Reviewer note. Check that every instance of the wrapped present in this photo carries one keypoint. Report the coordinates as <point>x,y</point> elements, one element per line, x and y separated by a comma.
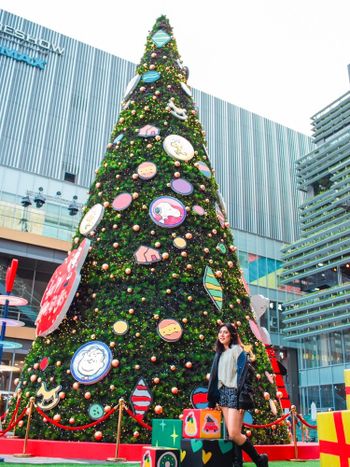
<point>206,452</point>
<point>334,438</point>
<point>160,457</point>
<point>166,432</point>
<point>347,387</point>
<point>201,423</point>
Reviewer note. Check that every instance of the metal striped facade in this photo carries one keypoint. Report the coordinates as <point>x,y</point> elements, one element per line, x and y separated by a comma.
<point>317,259</point>
<point>60,119</point>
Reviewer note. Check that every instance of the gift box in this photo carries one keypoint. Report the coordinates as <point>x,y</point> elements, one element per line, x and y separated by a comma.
<point>201,423</point>
<point>157,457</point>
<point>347,387</point>
<point>206,452</point>
<point>334,438</point>
<point>166,432</point>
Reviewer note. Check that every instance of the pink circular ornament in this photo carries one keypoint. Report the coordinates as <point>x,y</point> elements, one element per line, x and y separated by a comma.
<point>198,210</point>
<point>122,201</point>
<point>147,170</point>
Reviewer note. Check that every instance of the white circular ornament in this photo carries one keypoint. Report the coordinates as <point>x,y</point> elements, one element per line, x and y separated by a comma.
<point>91,362</point>
<point>131,86</point>
<point>178,147</point>
<point>91,219</point>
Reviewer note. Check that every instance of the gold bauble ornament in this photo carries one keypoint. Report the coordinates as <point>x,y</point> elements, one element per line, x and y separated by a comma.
<point>158,409</point>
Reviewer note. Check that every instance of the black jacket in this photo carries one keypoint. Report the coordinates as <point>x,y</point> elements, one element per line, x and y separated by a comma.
<point>245,376</point>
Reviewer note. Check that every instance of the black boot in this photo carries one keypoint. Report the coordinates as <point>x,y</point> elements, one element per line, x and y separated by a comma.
<point>261,460</point>
<point>237,456</point>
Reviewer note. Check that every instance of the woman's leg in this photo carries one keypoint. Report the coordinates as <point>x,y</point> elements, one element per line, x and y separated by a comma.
<point>234,421</point>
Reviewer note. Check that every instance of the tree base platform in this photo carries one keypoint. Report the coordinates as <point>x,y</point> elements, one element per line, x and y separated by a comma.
<point>132,452</point>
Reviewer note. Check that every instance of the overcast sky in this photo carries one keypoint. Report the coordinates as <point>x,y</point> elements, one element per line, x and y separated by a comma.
<point>283,59</point>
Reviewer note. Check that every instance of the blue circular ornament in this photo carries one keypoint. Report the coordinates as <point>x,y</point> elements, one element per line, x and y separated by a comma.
<point>96,411</point>
<point>199,398</point>
<point>150,76</point>
<point>91,362</point>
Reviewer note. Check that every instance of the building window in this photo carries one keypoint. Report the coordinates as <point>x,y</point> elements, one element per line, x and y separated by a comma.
<point>68,177</point>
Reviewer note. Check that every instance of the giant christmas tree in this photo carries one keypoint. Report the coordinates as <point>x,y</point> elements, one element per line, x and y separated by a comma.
<point>158,271</point>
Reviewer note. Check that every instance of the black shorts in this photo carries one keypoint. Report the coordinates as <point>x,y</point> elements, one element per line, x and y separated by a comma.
<point>228,397</point>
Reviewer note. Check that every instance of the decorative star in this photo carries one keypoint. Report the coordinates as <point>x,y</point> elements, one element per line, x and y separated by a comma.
<point>174,436</point>
<point>163,424</point>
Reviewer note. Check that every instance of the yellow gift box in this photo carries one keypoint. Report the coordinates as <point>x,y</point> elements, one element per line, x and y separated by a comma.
<point>347,387</point>
<point>334,438</point>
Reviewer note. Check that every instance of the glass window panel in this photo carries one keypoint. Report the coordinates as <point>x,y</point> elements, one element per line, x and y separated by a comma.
<point>339,397</point>
<point>327,397</point>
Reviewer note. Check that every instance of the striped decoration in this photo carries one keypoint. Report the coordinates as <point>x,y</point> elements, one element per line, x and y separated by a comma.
<point>141,398</point>
<point>213,287</point>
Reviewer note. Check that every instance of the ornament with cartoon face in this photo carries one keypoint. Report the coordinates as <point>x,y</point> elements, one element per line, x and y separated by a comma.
<point>91,362</point>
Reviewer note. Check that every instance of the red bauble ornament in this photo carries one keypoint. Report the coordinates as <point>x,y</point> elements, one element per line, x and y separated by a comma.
<point>98,435</point>
<point>72,420</point>
<point>57,417</point>
<point>136,434</point>
<point>174,390</point>
<point>87,395</point>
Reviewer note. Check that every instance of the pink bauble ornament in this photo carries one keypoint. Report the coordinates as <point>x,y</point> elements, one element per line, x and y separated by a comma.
<point>20,423</point>
<point>153,359</point>
<point>87,395</point>
<point>188,364</point>
<point>136,434</point>
<point>76,385</point>
<point>279,394</point>
<point>248,433</point>
<point>33,378</point>
<point>57,417</point>
<point>72,420</point>
<point>174,390</point>
<point>107,408</point>
<point>266,396</point>
<point>156,380</point>
<point>105,266</point>
<point>98,435</point>
<point>62,395</point>
<point>115,363</point>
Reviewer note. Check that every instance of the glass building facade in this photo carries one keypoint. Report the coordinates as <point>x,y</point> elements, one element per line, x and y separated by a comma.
<point>55,122</point>
<point>319,262</point>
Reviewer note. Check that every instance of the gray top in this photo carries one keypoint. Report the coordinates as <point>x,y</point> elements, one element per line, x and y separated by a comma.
<point>227,371</point>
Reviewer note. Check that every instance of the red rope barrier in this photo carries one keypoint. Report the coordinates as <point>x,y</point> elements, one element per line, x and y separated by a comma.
<point>276,422</point>
<point>304,422</point>
<point>139,421</point>
<point>15,412</point>
<point>9,428</point>
<point>75,428</point>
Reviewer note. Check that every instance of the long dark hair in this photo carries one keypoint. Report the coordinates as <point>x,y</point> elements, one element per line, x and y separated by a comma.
<point>234,337</point>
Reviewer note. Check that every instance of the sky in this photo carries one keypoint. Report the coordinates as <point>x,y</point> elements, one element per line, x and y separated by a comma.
<point>282,59</point>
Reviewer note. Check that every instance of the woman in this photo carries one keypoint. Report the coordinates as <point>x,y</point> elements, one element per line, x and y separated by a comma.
<point>222,390</point>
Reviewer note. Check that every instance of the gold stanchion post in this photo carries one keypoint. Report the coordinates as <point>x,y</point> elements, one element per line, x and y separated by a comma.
<point>119,427</point>
<point>25,453</point>
<point>294,426</point>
